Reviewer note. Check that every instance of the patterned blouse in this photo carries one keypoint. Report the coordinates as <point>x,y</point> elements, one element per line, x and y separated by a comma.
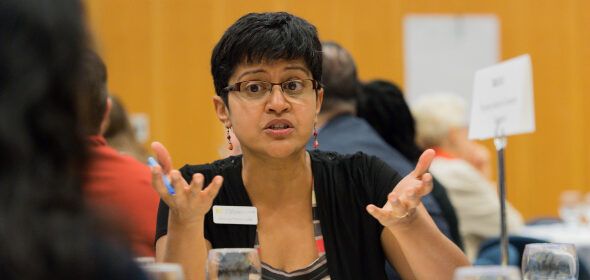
<point>317,270</point>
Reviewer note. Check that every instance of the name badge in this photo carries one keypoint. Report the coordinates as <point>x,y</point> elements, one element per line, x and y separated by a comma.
<point>235,215</point>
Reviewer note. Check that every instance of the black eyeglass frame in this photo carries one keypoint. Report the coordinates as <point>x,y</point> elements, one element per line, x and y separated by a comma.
<point>236,87</point>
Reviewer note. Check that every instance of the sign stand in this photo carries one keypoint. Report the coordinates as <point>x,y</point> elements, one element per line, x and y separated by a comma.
<point>500,142</point>
<point>502,106</point>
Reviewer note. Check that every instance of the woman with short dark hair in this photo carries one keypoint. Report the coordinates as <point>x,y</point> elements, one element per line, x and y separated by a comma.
<point>320,215</point>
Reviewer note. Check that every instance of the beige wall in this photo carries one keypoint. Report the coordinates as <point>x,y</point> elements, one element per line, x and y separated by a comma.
<point>158,55</point>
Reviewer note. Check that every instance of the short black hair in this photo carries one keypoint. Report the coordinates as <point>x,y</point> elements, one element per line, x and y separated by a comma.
<point>257,37</point>
<point>340,82</point>
<point>382,105</point>
<point>93,92</point>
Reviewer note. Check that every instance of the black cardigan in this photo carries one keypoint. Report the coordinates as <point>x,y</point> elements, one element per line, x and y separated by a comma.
<point>344,186</point>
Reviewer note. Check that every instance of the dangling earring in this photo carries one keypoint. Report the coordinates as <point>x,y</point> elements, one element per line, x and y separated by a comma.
<point>316,144</point>
<point>230,146</point>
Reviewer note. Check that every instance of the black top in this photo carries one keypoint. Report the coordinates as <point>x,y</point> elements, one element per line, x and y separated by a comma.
<point>344,186</point>
<point>361,137</point>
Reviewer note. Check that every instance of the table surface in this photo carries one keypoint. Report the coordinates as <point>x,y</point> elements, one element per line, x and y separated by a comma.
<point>579,235</point>
<point>559,233</point>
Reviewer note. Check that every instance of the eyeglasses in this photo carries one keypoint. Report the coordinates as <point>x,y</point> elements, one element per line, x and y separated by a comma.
<point>256,90</point>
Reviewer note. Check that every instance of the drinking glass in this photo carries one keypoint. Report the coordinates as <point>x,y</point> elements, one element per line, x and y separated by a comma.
<point>557,261</point>
<point>141,261</point>
<point>163,271</point>
<point>487,272</point>
<point>233,264</point>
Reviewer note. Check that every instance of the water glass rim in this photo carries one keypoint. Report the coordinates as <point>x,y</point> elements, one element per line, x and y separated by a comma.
<point>499,270</point>
<point>145,259</point>
<point>164,267</point>
<point>485,268</point>
<point>550,244</point>
<point>234,250</point>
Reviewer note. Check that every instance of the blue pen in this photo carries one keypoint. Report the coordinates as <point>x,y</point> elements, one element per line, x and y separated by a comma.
<point>153,163</point>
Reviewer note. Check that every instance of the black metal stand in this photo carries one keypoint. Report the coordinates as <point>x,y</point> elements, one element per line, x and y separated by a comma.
<point>500,143</point>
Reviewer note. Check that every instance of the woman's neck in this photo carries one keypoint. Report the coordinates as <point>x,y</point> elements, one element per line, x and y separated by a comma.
<point>275,181</point>
<point>445,151</point>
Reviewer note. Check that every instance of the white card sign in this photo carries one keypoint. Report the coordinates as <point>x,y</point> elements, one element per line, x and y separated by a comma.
<point>235,215</point>
<point>502,103</point>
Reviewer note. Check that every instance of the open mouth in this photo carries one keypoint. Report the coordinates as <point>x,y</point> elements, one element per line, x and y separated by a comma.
<point>279,128</point>
<point>278,124</point>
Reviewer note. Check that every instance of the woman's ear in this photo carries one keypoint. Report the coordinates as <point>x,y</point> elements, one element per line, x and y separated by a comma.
<point>319,100</point>
<point>222,111</point>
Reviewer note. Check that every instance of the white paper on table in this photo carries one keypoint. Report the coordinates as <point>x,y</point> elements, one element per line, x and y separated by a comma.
<point>502,103</point>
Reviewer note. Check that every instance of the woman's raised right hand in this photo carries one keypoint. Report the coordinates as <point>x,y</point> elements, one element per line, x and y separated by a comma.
<point>191,202</point>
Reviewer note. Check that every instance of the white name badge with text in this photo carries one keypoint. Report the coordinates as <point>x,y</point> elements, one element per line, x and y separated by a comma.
<point>502,103</point>
<point>235,215</point>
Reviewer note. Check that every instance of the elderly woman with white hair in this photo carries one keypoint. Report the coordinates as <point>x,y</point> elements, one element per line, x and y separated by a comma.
<point>461,166</point>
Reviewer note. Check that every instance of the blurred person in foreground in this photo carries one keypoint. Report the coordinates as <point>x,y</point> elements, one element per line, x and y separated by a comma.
<point>441,124</point>
<point>46,231</point>
<point>382,105</point>
<point>267,71</point>
<point>117,185</point>
<point>119,132</point>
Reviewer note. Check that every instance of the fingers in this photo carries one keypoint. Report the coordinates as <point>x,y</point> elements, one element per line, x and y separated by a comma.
<point>407,198</point>
<point>178,183</point>
<point>157,182</point>
<point>197,183</point>
<point>388,216</point>
<point>426,186</point>
<point>213,188</point>
<point>401,206</point>
<point>415,188</point>
<point>423,163</point>
<point>163,156</point>
<point>377,213</point>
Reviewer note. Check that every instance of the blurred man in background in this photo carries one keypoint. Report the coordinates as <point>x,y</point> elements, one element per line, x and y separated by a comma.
<point>340,130</point>
<point>118,186</point>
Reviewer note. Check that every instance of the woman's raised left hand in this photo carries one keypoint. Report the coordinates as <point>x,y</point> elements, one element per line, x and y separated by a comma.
<point>406,196</point>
